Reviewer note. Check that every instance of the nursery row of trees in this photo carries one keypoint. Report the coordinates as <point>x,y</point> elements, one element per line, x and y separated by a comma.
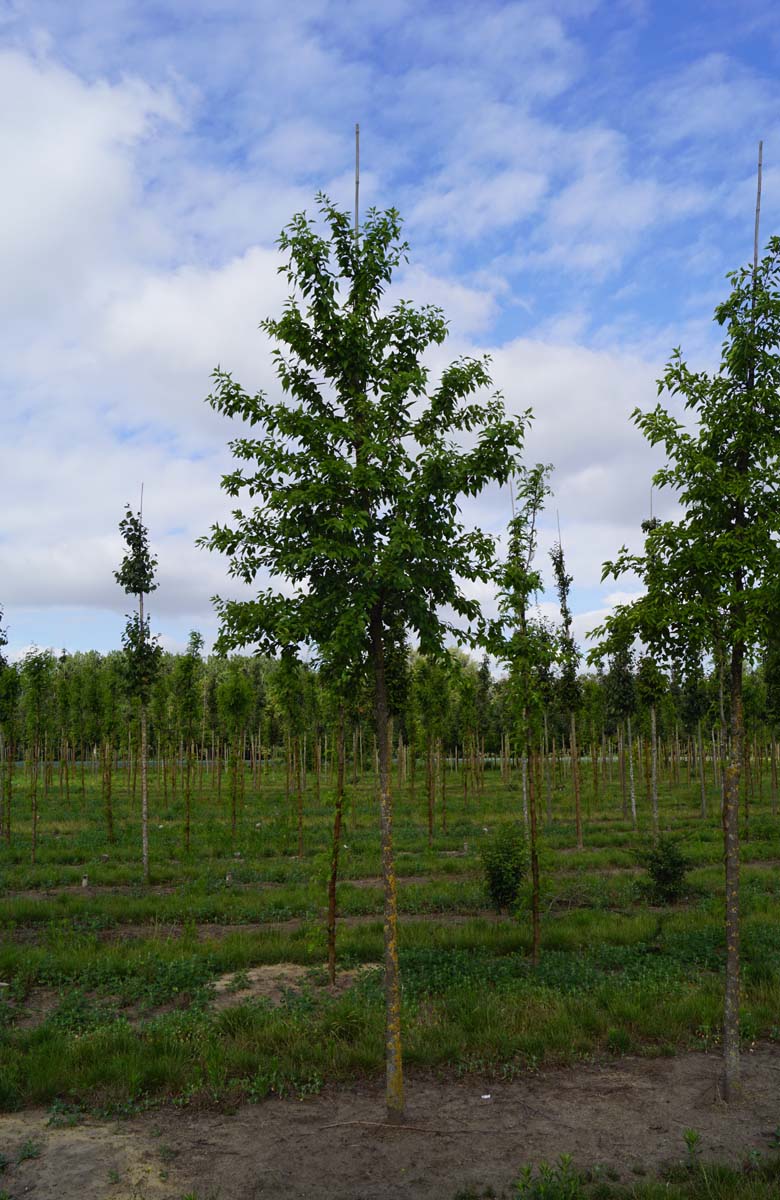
<point>354,477</point>
<point>73,714</point>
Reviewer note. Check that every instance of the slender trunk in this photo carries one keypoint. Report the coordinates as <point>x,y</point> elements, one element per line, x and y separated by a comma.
<point>144,771</point>
<point>10,789</point>
<point>575,768</point>
<point>631,786</point>
<point>654,768</point>
<point>34,796</point>
<point>394,1068</point>
<point>107,763</point>
<point>524,777</point>
<point>730,1081</point>
<point>334,857</point>
<point>144,797</point>
<point>431,787</point>
<point>547,777</point>
<point>299,792</point>
<point>443,777</point>
<point>188,795</point>
<point>702,781</point>
<point>532,803</point>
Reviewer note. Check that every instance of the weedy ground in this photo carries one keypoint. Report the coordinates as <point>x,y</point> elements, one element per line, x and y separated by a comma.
<point>111,1001</point>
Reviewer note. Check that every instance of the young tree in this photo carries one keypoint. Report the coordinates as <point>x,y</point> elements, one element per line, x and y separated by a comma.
<point>526,650</point>
<point>187,690</point>
<point>569,687</point>
<point>37,675</point>
<point>143,653</point>
<point>356,475</point>
<point>621,698</point>
<point>651,686</point>
<point>711,575</point>
<point>234,703</point>
<point>10,687</point>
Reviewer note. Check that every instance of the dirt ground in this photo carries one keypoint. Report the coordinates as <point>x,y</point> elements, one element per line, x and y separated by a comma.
<point>625,1114</point>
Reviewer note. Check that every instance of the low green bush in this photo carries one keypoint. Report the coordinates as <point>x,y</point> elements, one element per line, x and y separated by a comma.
<point>505,864</point>
<point>667,866</point>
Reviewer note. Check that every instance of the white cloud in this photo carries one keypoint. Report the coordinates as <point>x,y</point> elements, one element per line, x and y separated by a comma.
<point>71,201</point>
<point>147,180</point>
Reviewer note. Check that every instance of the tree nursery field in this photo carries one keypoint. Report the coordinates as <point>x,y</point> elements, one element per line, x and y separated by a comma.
<point>246,884</point>
<point>208,989</point>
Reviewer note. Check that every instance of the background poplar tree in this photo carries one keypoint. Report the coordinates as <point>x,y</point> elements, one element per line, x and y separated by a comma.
<point>143,653</point>
<point>711,575</point>
<point>356,475</point>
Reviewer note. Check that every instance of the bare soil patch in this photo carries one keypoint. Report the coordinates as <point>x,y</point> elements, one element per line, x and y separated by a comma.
<point>620,1114</point>
<point>273,982</point>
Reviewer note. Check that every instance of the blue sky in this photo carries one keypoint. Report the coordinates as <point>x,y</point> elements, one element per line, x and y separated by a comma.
<point>576,180</point>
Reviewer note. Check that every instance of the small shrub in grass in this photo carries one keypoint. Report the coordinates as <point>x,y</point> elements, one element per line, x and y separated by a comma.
<point>505,863</point>
<point>558,1182</point>
<point>667,867</point>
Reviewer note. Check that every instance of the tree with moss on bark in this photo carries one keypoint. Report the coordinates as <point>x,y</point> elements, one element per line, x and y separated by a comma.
<point>355,476</point>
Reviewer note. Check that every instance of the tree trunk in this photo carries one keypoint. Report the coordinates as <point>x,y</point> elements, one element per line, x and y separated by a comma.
<point>443,778</point>
<point>431,787</point>
<point>631,785</point>
<point>334,857</point>
<point>654,768</point>
<point>702,781</point>
<point>144,798</point>
<point>532,805</point>
<point>547,777</point>
<point>393,1062</point>
<point>730,1080</point>
<point>575,770</point>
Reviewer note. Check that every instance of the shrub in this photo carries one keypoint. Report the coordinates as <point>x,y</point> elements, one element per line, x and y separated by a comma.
<point>667,867</point>
<point>505,863</point>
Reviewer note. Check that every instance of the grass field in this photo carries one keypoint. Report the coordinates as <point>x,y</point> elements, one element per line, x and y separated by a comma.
<point>116,996</point>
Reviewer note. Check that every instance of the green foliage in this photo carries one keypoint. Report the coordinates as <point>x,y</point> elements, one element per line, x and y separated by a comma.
<point>667,867</point>
<point>143,653</point>
<point>528,646</point>
<point>505,865</point>
<point>711,576</point>
<point>3,642</point>
<point>356,472</point>
<point>234,698</point>
<point>143,657</point>
<point>136,571</point>
<point>569,686</point>
<point>558,1182</point>
<point>28,1149</point>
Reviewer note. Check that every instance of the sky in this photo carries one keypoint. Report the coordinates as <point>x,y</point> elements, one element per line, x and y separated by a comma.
<point>576,179</point>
